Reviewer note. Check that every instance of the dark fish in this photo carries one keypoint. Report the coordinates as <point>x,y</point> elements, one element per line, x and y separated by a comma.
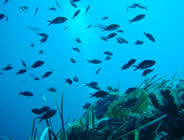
<point>32,45</point>
<point>47,115</point>
<point>111,27</point>
<point>91,84</point>
<point>104,38</point>
<point>44,37</point>
<point>58,5</point>
<point>37,64</point>
<point>78,40</point>
<point>109,88</point>
<point>76,14</point>
<point>23,63</point>
<point>139,42</point>
<point>121,40</point>
<point>2,16</point>
<point>108,53</point>
<point>47,74</point>
<point>111,35</point>
<point>36,11</point>
<point>6,1</point>
<point>41,52</point>
<point>146,71</point>
<point>8,67</point>
<point>36,111</point>
<point>26,93</point>
<point>86,106</point>
<point>76,79</point>
<point>145,64</point>
<point>107,57</point>
<point>130,90</point>
<point>24,8</point>
<point>57,20</point>
<point>89,26</point>
<point>120,31</point>
<point>76,49</point>
<point>99,94</point>
<point>137,18</point>
<point>149,36</point>
<point>94,61</point>
<point>40,111</point>
<point>73,4</point>
<point>129,64</point>
<point>72,60</point>
<point>52,8</point>
<point>98,70</point>
<point>69,81</point>
<point>36,78</point>
<point>21,71</point>
<point>75,0</point>
<point>137,5</point>
<point>87,9</point>
<point>52,89</point>
<point>104,18</point>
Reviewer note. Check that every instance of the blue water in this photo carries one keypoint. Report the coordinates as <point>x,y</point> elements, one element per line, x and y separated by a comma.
<point>164,20</point>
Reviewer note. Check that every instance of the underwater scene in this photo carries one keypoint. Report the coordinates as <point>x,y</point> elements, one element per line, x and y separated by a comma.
<point>91,70</point>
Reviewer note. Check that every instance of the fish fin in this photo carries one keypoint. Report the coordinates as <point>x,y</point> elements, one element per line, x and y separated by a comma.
<point>92,95</point>
<point>130,21</point>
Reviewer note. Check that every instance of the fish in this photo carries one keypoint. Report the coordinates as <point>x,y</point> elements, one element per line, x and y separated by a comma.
<point>58,5</point>
<point>104,38</point>
<point>99,94</point>
<point>147,71</point>
<point>105,18</point>
<point>109,88</point>
<point>41,52</point>
<point>73,4</point>
<point>37,64</point>
<point>76,14</point>
<point>75,0</point>
<point>41,110</point>
<point>72,60</point>
<point>129,64</point>
<point>137,5</point>
<point>8,67</point>
<point>32,45</point>
<point>107,57</point>
<point>23,63</point>
<point>24,8</point>
<point>47,74</point>
<point>121,40</point>
<point>36,11</point>
<point>139,42</point>
<point>69,81</point>
<point>2,16</point>
<point>120,31</point>
<point>26,93</point>
<point>52,89</point>
<point>94,61</point>
<point>111,35</point>
<point>76,49</point>
<point>57,20</point>
<point>36,78</point>
<point>44,37</point>
<point>89,26</point>
<point>91,84</point>
<point>87,9</point>
<point>149,36</point>
<point>98,70</point>
<point>130,90</point>
<point>6,1</point>
<point>52,8</point>
<point>78,40</point>
<point>21,71</point>
<point>108,53</point>
<point>36,29</point>
<point>7,18</point>
<point>111,27</point>
<point>86,106</point>
<point>75,79</point>
<point>47,115</point>
<point>137,18</point>
<point>145,64</point>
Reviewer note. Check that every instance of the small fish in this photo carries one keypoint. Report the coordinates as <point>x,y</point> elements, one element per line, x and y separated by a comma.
<point>137,5</point>
<point>57,20</point>
<point>98,70</point>
<point>139,42</point>
<point>58,5</point>
<point>89,26</point>
<point>47,115</point>
<point>41,110</point>
<point>108,53</point>
<point>21,71</point>
<point>8,67</point>
<point>72,60</point>
<point>36,11</point>
<point>36,29</point>
<point>137,18</point>
<point>105,18</point>
<point>121,40</point>
<point>87,9</point>
<point>76,79</point>
<point>111,27</point>
<point>44,37</point>
<point>37,64</point>
<point>145,64</point>
<point>73,4</point>
<point>24,8</point>
<point>75,0</point>
<point>94,61</point>
<point>120,31</point>
<point>91,84</point>
<point>107,57</point>
<point>76,14</point>
<point>6,1</point>
<point>47,74</point>
<point>76,49</point>
<point>2,16</point>
<point>104,38</point>
<point>99,94</point>
<point>37,78</point>
<point>26,93</point>
<point>149,36</point>
<point>52,8</point>
<point>23,63</point>
<point>78,40</point>
<point>32,45</point>
<point>41,52</point>
<point>69,81</point>
<point>130,90</point>
<point>7,18</point>
<point>111,35</point>
<point>129,64</point>
<point>52,89</point>
<point>86,106</point>
<point>109,88</point>
<point>147,71</point>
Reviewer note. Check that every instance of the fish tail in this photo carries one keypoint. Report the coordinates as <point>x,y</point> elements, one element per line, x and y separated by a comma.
<point>137,67</point>
<point>92,95</point>
<point>50,22</point>
<point>130,21</point>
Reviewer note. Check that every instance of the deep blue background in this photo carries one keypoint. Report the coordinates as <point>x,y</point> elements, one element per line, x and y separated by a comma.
<point>164,20</point>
